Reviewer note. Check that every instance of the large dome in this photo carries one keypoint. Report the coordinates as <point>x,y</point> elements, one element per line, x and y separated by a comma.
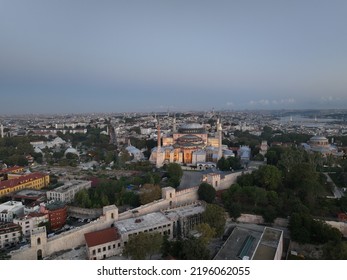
<point>319,141</point>
<point>189,141</point>
<point>191,128</point>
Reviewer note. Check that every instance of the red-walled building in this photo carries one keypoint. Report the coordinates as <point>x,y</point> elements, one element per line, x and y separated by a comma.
<point>57,213</point>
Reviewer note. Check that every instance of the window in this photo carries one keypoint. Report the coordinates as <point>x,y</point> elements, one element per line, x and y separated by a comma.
<point>94,252</point>
<point>109,247</point>
<point>104,249</point>
<point>99,250</point>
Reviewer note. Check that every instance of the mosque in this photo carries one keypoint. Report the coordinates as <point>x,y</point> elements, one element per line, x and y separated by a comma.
<point>320,144</point>
<point>190,145</point>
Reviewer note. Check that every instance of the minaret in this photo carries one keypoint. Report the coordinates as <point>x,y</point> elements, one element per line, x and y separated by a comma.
<point>219,132</point>
<point>174,125</point>
<point>159,157</point>
<point>2,131</point>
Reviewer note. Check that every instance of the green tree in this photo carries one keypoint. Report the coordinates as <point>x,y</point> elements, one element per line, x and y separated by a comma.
<point>174,170</point>
<point>223,164</point>
<point>206,192</point>
<point>268,177</point>
<point>206,232</point>
<point>143,245</point>
<point>149,193</point>
<point>214,216</point>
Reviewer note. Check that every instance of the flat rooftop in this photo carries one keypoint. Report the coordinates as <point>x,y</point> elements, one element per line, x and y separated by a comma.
<point>241,243</point>
<point>146,221</point>
<point>268,244</point>
<point>30,193</point>
<point>255,242</point>
<point>182,212</point>
<point>69,184</point>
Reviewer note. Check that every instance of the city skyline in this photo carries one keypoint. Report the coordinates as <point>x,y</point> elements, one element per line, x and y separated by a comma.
<point>121,56</point>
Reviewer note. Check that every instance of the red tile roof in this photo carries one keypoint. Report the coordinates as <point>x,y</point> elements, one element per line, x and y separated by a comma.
<point>18,180</point>
<point>101,237</point>
<point>10,169</point>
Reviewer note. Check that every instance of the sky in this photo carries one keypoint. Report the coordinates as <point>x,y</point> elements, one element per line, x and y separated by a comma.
<point>80,56</point>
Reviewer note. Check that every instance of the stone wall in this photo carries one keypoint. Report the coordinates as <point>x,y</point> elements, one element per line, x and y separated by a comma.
<point>79,212</point>
<point>75,237</point>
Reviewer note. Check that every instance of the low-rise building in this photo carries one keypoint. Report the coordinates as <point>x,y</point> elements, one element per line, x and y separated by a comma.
<point>28,181</point>
<point>11,209</point>
<point>103,244</point>
<point>57,214</point>
<point>185,218</point>
<point>152,222</point>
<point>31,221</point>
<point>252,243</point>
<point>67,192</point>
<point>10,234</point>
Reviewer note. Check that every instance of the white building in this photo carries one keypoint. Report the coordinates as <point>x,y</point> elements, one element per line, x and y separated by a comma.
<point>30,221</point>
<point>11,209</point>
<point>152,222</point>
<point>67,192</point>
<point>10,234</point>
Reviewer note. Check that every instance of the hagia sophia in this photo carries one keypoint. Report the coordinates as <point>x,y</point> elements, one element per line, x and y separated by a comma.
<point>190,145</point>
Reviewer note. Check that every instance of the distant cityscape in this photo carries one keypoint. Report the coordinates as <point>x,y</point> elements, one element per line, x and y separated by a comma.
<point>218,185</point>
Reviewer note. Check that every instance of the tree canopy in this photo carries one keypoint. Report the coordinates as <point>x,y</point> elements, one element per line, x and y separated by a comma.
<point>206,192</point>
<point>143,245</point>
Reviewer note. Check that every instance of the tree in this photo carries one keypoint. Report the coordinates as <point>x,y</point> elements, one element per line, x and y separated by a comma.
<point>175,174</point>
<point>214,216</point>
<point>143,245</point>
<point>194,249</point>
<point>188,249</point>
<point>149,193</point>
<point>207,233</point>
<point>223,164</point>
<point>268,177</point>
<point>206,192</point>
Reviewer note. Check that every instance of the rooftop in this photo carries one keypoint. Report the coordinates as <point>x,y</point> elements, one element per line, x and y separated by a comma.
<point>241,243</point>
<point>101,237</point>
<point>268,244</point>
<point>145,221</point>
<point>20,180</point>
<point>70,184</point>
<point>184,211</point>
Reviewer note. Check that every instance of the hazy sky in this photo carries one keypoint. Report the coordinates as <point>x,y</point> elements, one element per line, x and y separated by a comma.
<point>117,56</point>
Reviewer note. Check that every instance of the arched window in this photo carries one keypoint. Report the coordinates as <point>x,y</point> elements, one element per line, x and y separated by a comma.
<point>38,241</point>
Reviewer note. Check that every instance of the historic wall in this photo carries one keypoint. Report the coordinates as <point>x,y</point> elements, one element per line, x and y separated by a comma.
<point>79,212</point>
<point>75,237</point>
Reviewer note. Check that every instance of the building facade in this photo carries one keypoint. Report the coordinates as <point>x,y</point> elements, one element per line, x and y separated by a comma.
<point>18,182</point>
<point>11,209</point>
<point>103,244</point>
<point>67,192</point>
<point>191,145</point>
<point>10,234</point>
